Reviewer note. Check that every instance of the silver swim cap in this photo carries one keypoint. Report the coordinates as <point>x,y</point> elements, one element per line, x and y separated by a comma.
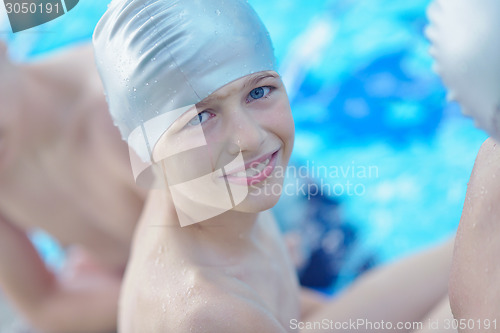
<point>466,49</point>
<point>157,58</point>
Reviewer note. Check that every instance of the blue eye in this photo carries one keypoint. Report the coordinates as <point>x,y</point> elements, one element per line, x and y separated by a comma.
<point>259,92</point>
<point>200,118</point>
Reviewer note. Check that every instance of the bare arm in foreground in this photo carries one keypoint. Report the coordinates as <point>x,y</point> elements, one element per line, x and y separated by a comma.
<point>64,169</point>
<point>474,283</point>
<point>412,289</point>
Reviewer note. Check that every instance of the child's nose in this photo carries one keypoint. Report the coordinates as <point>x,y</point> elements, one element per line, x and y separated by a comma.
<point>245,132</point>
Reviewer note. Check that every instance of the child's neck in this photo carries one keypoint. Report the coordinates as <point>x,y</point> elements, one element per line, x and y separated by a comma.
<point>229,232</point>
<point>230,225</point>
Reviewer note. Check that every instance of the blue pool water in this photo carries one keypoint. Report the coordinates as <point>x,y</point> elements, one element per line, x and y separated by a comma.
<point>364,97</point>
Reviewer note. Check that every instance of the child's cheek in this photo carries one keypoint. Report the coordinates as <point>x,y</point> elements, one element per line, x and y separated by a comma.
<point>281,121</point>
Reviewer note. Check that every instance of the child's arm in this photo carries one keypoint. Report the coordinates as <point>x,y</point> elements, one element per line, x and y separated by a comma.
<point>49,304</point>
<point>37,98</point>
<point>475,275</point>
<point>405,291</point>
<point>70,70</point>
<point>311,301</point>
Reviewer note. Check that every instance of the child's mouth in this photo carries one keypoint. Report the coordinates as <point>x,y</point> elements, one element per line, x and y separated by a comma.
<point>255,171</point>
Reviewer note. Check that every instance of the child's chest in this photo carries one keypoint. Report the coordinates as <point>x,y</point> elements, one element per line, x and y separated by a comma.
<point>270,277</point>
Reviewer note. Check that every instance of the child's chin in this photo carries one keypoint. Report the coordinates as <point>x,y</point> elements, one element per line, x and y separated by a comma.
<point>254,203</point>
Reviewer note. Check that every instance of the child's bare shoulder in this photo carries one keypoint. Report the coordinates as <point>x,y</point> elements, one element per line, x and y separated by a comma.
<point>482,189</point>
<point>194,299</point>
<point>488,159</point>
<point>471,293</point>
<point>227,312</point>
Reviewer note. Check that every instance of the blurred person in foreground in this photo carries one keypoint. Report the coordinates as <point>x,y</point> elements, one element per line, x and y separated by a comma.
<point>466,48</point>
<point>65,170</point>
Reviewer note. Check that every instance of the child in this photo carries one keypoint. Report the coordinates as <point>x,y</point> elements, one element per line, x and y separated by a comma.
<point>192,86</point>
<point>63,169</point>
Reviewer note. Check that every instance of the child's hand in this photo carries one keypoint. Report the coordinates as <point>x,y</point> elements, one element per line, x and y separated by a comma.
<point>474,283</point>
<point>80,266</point>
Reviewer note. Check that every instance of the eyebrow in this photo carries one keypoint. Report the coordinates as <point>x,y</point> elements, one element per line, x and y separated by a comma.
<point>250,82</point>
<point>257,78</point>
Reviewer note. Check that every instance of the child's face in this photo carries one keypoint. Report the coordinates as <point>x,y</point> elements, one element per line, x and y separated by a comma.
<point>237,142</point>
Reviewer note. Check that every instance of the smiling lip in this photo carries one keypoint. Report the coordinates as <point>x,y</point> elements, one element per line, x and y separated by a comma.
<point>265,173</point>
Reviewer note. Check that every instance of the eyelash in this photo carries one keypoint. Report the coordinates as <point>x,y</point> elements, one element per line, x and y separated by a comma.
<point>198,116</point>
<point>271,89</point>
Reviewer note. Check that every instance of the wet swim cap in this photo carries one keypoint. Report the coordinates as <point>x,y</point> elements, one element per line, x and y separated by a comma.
<point>466,47</point>
<point>157,58</point>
